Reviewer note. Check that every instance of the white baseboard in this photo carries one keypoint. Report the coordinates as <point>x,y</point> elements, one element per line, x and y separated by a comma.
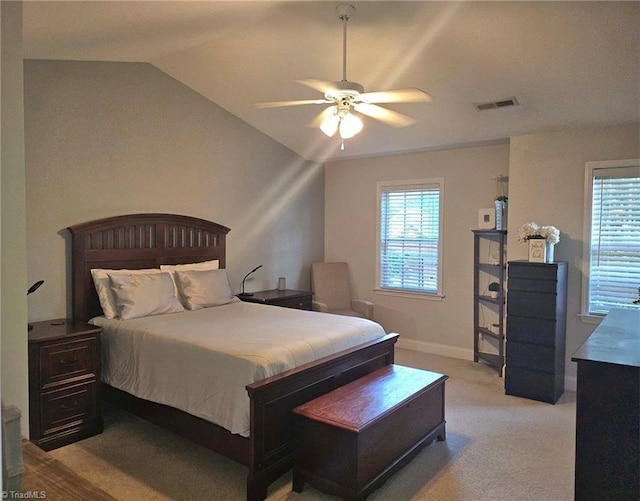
<point>570,382</point>
<point>435,349</point>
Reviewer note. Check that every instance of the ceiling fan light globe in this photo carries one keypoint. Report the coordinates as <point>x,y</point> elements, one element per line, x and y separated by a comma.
<point>330,125</point>
<point>350,125</point>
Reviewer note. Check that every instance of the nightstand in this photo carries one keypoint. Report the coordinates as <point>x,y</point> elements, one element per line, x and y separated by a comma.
<point>300,300</point>
<point>64,379</point>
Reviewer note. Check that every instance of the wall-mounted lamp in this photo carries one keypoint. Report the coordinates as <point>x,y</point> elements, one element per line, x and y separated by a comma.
<point>31,290</point>
<point>35,287</point>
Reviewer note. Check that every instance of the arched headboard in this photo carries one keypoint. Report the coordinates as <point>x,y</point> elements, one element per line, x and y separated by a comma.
<point>137,241</point>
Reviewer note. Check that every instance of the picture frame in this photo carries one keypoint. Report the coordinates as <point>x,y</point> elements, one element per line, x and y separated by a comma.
<point>537,250</point>
<point>487,219</point>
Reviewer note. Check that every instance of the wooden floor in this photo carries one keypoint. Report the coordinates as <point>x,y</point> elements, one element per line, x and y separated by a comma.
<point>44,474</point>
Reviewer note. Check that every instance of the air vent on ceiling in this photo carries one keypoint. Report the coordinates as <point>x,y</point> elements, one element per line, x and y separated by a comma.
<point>502,103</point>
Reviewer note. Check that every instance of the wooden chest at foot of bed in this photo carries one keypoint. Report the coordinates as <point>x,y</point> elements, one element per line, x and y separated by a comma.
<point>349,441</point>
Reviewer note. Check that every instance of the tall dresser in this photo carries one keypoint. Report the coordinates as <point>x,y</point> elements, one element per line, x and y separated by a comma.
<point>536,330</point>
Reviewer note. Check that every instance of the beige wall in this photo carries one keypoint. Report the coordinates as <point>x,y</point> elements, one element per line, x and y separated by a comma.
<point>546,185</point>
<point>13,301</point>
<point>446,326</point>
<point>104,139</point>
<point>114,138</point>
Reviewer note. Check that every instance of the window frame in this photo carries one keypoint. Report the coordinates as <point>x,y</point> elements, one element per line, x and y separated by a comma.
<point>590,169</point>
<point>410,184</point>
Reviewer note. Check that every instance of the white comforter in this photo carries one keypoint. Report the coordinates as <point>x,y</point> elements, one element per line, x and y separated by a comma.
<point>200,361</point>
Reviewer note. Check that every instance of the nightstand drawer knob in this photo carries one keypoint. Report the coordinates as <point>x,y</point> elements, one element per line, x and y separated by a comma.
<point>67,406</point>
<point>71,361</point>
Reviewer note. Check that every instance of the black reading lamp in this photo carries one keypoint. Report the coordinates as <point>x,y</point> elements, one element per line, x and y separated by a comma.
<point>243,293</point>
<point>31,290</point>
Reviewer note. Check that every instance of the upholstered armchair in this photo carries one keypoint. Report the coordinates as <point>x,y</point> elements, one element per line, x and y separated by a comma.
<point>331,286</point>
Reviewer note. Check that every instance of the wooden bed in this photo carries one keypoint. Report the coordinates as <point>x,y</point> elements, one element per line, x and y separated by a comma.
<point>150,240</point>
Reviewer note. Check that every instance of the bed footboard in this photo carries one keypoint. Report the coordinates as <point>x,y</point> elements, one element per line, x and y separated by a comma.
<point>273,399</point>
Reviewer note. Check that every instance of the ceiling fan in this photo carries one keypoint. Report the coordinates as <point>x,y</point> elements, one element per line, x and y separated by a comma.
<point>345,97</point>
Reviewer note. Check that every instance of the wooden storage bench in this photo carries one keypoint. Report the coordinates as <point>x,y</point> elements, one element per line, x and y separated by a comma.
<point>349,441</point>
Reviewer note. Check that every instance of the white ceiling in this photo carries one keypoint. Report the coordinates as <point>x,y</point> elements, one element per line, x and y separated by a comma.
<point>568,63</point>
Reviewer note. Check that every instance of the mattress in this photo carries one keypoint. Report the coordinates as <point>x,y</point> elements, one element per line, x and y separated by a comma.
<point>201,361</point>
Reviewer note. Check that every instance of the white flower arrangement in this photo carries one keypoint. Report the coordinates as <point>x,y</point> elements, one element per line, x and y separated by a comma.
<point>531,230</point>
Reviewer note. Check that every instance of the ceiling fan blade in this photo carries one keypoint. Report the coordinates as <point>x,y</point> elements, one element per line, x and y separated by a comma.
<point>278,104</point>
<point>320,117</point>
<point>396,96</point>
<point>320,85</point>
<point>384,115</point>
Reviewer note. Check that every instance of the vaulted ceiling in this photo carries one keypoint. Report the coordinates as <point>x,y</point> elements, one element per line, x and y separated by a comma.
<point>568,64</point>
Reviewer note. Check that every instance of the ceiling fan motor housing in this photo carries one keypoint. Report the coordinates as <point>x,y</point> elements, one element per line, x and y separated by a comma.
<point>343,90</point>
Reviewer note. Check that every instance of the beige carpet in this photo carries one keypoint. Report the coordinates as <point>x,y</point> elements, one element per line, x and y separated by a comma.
<point>45,474</point>
<point>498,448</point>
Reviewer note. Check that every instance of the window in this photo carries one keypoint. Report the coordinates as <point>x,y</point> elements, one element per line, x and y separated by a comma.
<point>612,236</point>
<point>410,236</point>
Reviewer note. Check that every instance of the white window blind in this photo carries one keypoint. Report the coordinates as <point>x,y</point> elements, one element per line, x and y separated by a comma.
<point>410,236</point>
<point>614,250</point>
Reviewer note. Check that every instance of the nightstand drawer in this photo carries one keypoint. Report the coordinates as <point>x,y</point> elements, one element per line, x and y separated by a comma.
<point>68,407</point>
<point>62,362</point>
<point>301,303</point>
<point>299,300</point>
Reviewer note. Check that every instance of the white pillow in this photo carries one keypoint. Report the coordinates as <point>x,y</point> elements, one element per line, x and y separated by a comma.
<point>204,288</point>
<point>204,265</point>
<point>142,295</point>
<point>103,287</point>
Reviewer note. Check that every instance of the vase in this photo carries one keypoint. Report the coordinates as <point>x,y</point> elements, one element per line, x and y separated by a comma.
<point>501,214</point>
<point>549,253</point>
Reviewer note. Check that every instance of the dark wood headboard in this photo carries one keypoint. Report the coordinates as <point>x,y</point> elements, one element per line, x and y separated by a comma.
<point>137,241</point>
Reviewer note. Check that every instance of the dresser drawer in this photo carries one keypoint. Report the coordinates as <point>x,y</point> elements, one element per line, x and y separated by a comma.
<point>533,330</point>
<point>71,360</point>
<point>531,356</point>
<point>532,285</point>
<point>532,305</point>
<point>541,271</point>
<point>68,407</point>
<point>533,384</point>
